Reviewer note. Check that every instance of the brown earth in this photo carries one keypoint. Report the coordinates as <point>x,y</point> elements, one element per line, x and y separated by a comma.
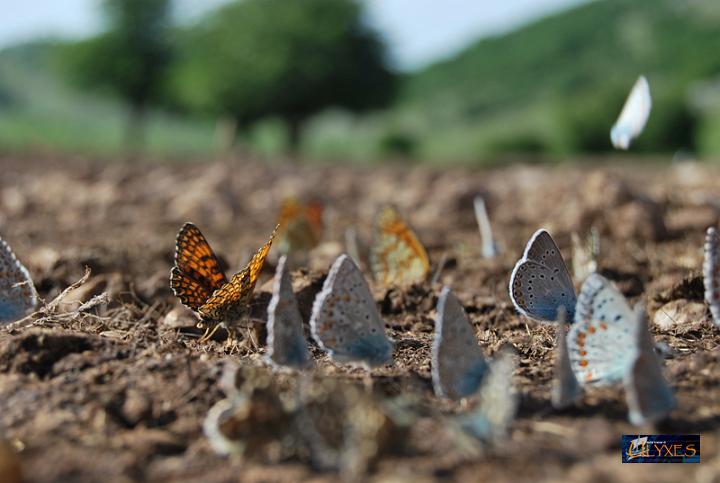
<point>119,392</point>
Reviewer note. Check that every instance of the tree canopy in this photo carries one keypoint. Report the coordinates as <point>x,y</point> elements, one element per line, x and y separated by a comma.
<point>129,59</point>
<point>257,58</point>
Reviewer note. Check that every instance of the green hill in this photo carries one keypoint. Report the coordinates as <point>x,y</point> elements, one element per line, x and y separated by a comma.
<point>558,84</point>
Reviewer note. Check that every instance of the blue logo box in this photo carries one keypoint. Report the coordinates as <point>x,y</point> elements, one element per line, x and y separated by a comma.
<point>661,448</point>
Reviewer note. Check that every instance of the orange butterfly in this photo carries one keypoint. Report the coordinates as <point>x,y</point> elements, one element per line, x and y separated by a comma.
<point>199,282</point>
<point>396,256</point>
<point>300,226</point>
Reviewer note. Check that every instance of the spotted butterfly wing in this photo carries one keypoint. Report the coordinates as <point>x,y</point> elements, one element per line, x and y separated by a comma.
<point>197,273</point>
<point>17,291</point>
<point>711,273</point>
<point>345,321</point>
<point>458,364</point>
<point>601,342</point>
<point>540,282</point>
<point>230,300</point>
<point>396,256</point>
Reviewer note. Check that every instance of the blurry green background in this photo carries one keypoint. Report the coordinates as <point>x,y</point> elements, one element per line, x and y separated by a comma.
<point>315,79</point>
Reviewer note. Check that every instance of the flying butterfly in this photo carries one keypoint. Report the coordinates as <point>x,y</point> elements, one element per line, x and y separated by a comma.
<point>634,115</point>
<point>17,291</point>
<point>301,225</point>
<point>200,284</point>
<point>540,282</point>
<point>396,256</point>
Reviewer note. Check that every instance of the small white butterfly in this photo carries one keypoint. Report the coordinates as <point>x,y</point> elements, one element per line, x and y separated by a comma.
<point>345,321</point>
<point>458,364</point>
<point>711,273</point>
<point>285,340</point>
<point>18,296</point>
<point>633,116</point>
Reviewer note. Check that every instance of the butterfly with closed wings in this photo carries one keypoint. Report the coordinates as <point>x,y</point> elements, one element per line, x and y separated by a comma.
<point>396,256</point>
<point>540,282</point>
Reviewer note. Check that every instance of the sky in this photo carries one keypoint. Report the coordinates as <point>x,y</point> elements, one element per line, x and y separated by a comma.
<point>418,32</point>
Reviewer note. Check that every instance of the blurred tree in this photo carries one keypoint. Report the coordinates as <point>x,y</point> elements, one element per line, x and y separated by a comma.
<point>129,60</point>
<point>259,58</point>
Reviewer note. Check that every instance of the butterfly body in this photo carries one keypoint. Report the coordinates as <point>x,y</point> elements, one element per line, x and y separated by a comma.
<point>396,257</point>
<point>540,282</point>
<point>200,284</point>
<point>18,296</point>
<point>345,320</point>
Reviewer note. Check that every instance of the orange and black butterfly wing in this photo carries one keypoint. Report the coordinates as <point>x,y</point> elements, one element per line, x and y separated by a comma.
<point>197,273</point>
<point>234,295</point>
<point>189,291</point>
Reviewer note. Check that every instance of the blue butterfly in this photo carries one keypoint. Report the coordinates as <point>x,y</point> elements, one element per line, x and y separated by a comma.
<point>458,364</point>
<point>540,282</point>
<point>17,292</point>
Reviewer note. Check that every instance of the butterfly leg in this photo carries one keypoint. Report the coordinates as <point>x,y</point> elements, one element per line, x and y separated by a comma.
<point>209,333</point>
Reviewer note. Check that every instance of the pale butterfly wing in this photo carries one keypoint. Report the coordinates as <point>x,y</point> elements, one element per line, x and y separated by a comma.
<point>491,419</point>
<point>396,255</point>
<point>345,321</point>
<point>649,397</point>
<point>18,296</point>
<point>458,364</point>
<point>286,341</point>
<point>540,282</point>
<point>489,248</point>
<point>601,342</point>
<point>711,273</point>
<point>566,388</point>
<point>633,116</point>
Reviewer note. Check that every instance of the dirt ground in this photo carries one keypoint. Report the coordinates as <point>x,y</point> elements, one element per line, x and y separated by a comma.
<point>119,392</point>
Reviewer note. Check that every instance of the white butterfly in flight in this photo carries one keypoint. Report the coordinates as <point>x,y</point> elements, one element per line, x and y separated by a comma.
<point>634,115</point>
